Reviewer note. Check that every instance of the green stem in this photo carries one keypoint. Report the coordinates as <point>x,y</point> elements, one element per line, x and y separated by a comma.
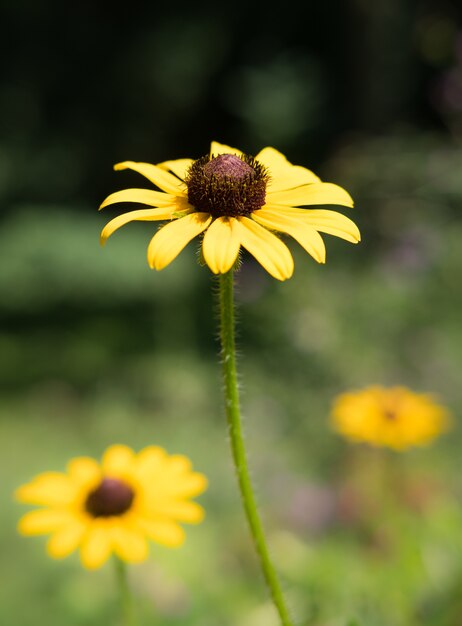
<point>125,595</point>
<point>228,348</point>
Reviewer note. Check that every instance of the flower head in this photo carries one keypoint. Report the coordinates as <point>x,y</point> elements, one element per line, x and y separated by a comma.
<point>114,506</point>
<point>236,200</point>
<point>395,418</point>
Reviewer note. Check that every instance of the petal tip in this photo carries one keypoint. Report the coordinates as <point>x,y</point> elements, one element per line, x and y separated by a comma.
<point>88,565</point>
<point>121,166</point>
<point>20,494</point>
<point>152,264</point>
<point>21,528</point>
<point>285,276</point>
<point>200,515</point>
<point>179,542</point>
<point>104,236</point>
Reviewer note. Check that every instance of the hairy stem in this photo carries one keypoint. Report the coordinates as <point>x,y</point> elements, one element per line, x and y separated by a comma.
<point>228,347</point>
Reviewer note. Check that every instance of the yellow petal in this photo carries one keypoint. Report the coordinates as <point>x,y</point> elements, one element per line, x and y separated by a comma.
<point>43,521</point>
<point>323,220</point>
<point>305,235</point>
<point>168,534</point>
<point>165,181</point>
<point>96,546</point>
<point>65,540</point>
<point>333,223</point>
<point>130,545</point>
<point>170,240</point>
<point>284,175</point>
<point>220,148</point>
<point>182,511</point>
<point>143,215</point>
<point>266,248</point>
<point>148,461</point>
<point>49,489</point>
<point>317,193</point>
<point>118,461</point>
<point>190,485</point>
<point>178,464</point>
<point>179,167</point>
<point>141,196</point>
<point>84,471</point>
<point>162,477</point>
<point>221,245</point>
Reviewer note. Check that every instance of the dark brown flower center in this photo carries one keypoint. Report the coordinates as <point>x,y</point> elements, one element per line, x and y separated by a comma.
<point>227,185</point>
<point>228,165</point>
<point>111,497</point>
<point>390,415</point>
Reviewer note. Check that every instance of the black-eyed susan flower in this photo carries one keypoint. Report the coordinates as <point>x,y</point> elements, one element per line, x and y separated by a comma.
<point>237,201</point>
<point>115,506</point>
<point>395,417</point>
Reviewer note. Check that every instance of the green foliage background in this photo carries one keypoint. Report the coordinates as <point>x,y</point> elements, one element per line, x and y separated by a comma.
<point>96,349</point>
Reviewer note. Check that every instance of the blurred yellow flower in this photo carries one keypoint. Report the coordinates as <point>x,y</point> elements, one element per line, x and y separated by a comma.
<point>395,418</point>
<point>114,506</point>
<point>237,200</point>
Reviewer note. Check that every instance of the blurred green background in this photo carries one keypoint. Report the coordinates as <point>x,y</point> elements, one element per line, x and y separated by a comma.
<point>95,348</point>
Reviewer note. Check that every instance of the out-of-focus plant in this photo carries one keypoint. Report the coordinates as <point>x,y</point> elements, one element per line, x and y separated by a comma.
<point>114,507</point>
<point>396,417</point>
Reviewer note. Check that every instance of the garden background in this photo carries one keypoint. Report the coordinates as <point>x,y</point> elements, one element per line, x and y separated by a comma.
<point>95,348</point>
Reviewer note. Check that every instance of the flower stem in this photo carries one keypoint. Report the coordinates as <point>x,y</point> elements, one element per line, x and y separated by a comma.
<point>228,348</point>
<point>125,595</point>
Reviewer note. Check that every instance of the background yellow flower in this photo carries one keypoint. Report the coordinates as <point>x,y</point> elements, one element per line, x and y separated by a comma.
<point>114,506</point>
<point>395,418</point>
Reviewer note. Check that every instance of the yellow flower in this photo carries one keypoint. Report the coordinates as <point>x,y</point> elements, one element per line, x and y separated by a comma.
<point>395,418</point>
<point>114,506</point>
<point>237,200</point>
